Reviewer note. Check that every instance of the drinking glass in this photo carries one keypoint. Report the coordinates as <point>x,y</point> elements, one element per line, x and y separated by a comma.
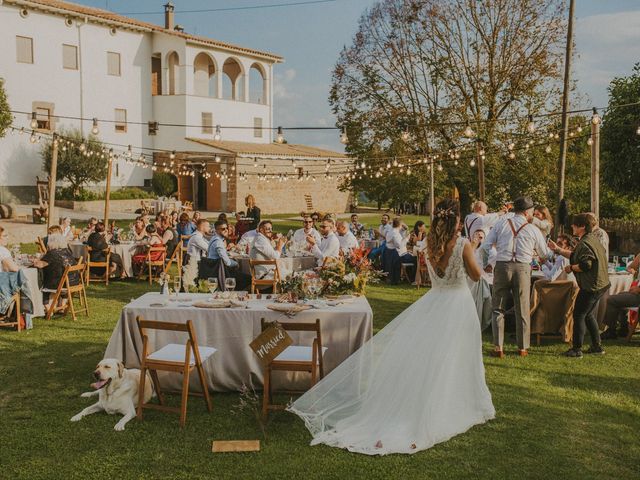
<point>615,261</point>
<point>230,283</point>
<point>176,285</point>
<point>212,284</point>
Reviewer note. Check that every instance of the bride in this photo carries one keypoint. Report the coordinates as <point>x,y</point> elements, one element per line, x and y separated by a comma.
<point>420,380</point>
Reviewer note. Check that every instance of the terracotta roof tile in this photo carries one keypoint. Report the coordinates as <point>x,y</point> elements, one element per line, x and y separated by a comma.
<point>278,150</point>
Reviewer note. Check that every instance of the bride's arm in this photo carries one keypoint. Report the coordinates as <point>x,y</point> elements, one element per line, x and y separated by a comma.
<point>470,264</point>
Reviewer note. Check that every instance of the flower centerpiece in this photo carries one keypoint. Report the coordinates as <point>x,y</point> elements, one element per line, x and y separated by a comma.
<point>350,275</point>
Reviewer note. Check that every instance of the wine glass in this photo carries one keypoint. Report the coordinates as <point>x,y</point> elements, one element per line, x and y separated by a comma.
<point>230,283</point>
<point>212,284</point>
<point>176,285</point>
<point>315,287</point>
<point>615,261</point>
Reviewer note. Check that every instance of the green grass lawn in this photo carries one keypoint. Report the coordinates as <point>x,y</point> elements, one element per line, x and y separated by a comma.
<point>556,418</point>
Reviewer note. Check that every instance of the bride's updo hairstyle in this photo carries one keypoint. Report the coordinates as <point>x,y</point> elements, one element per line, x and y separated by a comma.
<point>444,226</point>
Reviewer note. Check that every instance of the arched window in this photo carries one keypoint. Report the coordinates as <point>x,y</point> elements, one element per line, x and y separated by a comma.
<point>173,63</point>
<point>232,80</point>
<point>257,84</point>
<point>205,83</point>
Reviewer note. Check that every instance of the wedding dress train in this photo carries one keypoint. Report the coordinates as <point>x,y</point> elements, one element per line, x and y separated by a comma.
<point>418,382</point>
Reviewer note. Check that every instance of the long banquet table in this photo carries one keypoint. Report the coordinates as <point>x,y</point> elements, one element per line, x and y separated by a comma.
<point>126,250</point>
<point>345,328</point>
<point>286,265</point>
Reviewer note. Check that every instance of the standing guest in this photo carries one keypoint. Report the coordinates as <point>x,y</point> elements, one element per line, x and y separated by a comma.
<point>329,246</point>
<point>185,227</point>
<point>396,251</point>
<point>253,212</point>
<point>6,260</point>
<point>262,248</point>
<point>516,241</point>
<point>98,243</point>
<point>242,226</point>
<point>589,264</point>
<point>479,218</point>
<point>53,264</point>
<point>300,235</point>
<point>600,234</point>
<point>355,227</point>
<point>67,230</point>
<point>543,220</point>
<point>198,245</point>
<point>347,239</point>
<point>152,240</point>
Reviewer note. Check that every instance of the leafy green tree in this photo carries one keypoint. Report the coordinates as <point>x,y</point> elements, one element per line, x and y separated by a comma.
<point>76,165</point>
<point>164,184</point>
<point>5,110</point>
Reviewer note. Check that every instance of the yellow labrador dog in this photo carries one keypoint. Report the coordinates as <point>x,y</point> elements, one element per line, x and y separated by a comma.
<point>117,391</point>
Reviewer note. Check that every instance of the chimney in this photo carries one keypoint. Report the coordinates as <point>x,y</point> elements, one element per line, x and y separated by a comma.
<point>168,16</point>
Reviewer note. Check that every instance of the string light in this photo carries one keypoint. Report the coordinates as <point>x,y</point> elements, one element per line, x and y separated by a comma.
<point>405,135</point>
<point>217,159</point>
<point>595,118</point>
<point>589,141</point>
<point>531,127</point>
<point>343,138</point>
<point>94,129</point>
<point>218,136</point>
<point>33,138</point>
<point>472,163</point>
<point>638,130</point>
<point>280,136</point>
<point>34,121</point>
<point>172,155</point>
<point>468,131</point>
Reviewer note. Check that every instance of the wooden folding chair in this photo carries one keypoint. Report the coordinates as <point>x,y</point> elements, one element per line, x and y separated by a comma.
<point>422,272</point>
<point>632,320</point>
<point>152,263</point>
<point>66,290</point>
<point>294,358</point>
<point>14,307</point>
<point>41,246</point>
<point>106,264</point>
<point>174,357</point>
<point>264,282</point>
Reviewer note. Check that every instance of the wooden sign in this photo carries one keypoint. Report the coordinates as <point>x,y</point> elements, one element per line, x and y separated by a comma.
<point>225,446</point>
<point>270,343</point>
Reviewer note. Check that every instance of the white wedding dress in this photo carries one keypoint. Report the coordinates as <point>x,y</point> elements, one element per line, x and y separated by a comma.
<point>418,382</point>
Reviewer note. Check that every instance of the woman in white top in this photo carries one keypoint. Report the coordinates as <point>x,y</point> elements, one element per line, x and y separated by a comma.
<point>67,231</point>
<point>6,260</point>
<point>543,220</point>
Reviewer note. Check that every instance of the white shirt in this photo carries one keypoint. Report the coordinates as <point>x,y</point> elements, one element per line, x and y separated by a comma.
<point>552,270</point>
<point>66,231</point>
<point>347,241</point>
<point>4,254</point>
<point>543,225</point>
<point>474,222</point>
<point>603,238</point>
<point>248,237</point>
<point>528,241</point>
<point>263,250</point>
<point>197,246</point>
<point>329,247</point>
<point>396,241</point>
<point>300,235</point>
<point>383,229</point>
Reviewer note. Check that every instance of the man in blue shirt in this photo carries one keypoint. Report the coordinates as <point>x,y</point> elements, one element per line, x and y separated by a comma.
<point>218,245</point>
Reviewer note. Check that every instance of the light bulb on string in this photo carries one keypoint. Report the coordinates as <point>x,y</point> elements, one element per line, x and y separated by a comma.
<point>638,130</point>
<point>343,138</point>
<point>579,129</point>
<point>589,141</point>
<point>172,155</point>
<point>468,131</point>
<point>94,129</point>
<point>129,152</point>
<point>362,165</point>
<point>395,162</point>
<point>388,165</point>
<point>548,149</point>
<point>405,135</point>
<point>531,127</point>
<point>440,167</point>
<point>455,162</point>
<point>511,146</point>
<point>408,170</point>
<point>255,163</point>
<point>512,155</point>
<point>82,147</point>
<point>217,159</point>
<point>218,135</point>
<point>472,162</point>
<point>33,138</point>
<point>595,118</point>
<point>293,164</point>
<point>556,136</point>
<point>280,136</point>
<point>34,120</point>
<point>551,135</point>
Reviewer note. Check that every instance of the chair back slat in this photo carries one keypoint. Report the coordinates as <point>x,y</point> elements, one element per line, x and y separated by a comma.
<point>156,325</point>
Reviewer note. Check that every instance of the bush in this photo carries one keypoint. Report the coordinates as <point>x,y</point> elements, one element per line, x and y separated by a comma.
<point>130,193</point>
<point>617,205</point>
<point>164,184</point>
<point>83,195</point>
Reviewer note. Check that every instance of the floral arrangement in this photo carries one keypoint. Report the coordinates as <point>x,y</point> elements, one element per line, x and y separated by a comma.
<point>349,275</point>
<point>297,283</point>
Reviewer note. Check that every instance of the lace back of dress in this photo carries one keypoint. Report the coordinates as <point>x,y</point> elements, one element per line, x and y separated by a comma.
<point>454,273</point>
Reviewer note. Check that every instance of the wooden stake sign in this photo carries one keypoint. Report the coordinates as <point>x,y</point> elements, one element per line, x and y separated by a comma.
<point>271,343</point>
<point>226,446</point>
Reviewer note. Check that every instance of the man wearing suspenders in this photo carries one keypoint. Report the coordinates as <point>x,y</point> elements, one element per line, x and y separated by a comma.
<point>516,241</point>
<point>479,219</point>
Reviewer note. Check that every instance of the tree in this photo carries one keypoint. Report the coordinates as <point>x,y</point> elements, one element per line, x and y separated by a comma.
<point>5,110</point>
<point>620,145</point>
<point>77,165</point>
<point>426,67</point>
<point>164,184</point>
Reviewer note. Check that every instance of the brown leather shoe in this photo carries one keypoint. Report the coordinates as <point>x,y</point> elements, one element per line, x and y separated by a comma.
<point>523,353</point>
<point>497,353</point>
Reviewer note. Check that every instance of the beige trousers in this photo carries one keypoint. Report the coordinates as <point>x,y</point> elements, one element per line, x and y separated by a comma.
<point>511,279</point>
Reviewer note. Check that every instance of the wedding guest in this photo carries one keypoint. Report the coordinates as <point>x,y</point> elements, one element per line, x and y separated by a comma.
<point>300,235</point>
<point>242,226</point>
<point>145,219</point>
<point>51,230</point>
<point>218,245</point>
<point>6,260</point>
<point>253,212</point>
<point>248,238</point>
<point>554,268</point>
<point>329,246</point>
<point>53,264</point>
<point>396,251</point>
<point>418,236</point>
<point>589,264</point>
<point>98,243</point>
<point>185,227</point>
<point>315,216</point>
<point>169,235</point>
<point>263,249</point>
<point>67,230</point>
<point>152,240</point>
<point>600,234</point>
<point>198,245</point>
<point>355,227</point>
<point>196,216</point>
<point>91,225</point>
<point>380,233</point>
<point>478,239</point>
<point>543,220</point>
<point>347,239</point>
<point>173,216</point>
<point>218,263</point>
<point>479,218</point>
<point>232,230</point>
<point>516,241</point>
<point>139,230</point>
<point>617,305</point>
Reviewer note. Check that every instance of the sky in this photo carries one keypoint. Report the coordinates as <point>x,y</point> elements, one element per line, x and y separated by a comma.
<point>310,37</point>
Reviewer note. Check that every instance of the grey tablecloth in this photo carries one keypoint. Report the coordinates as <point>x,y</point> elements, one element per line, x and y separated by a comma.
<point>286,265</point>
<point>35,292</point>
<point>345,328</point>
<point>125,250</point>
<point>619,283</point>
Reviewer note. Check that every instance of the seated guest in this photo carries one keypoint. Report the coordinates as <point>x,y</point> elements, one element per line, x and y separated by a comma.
<point>396,251</point>
<point>262,248</point>
<point>329,246</point>
<point>355,227</point>
<point>65,225</point>
<point>346,238</point>
<point>52,229</point>
<point>139,229</point>
<point>616,313</point>
<point>173,216</point>
<point>300,235</point>
<point>543,220</point>
<point>553,269</point>
<point>198,245</point>
<point>185,227</point>
<point>247,239</point>
<point>53,264</point>
<point>218,264</point>
<point>160,223</point>
<point>91,225</point>
<point>417,236</point>
<point>6,260</point>
<point>153,240</point>
<point>169,235</point>
<point>98,243</point>
<point>232,230</point>
<point>380,233</point>
<point>196,216</point>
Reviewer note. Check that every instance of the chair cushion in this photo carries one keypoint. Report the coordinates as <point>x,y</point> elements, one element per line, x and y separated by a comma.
<point>174,352</point>
<point>296,353</point>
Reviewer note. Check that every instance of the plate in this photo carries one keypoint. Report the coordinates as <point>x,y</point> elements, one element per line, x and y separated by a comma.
<point>157,305</point>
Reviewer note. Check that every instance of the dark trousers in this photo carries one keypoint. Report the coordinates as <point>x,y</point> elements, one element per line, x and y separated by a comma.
<point>617,308</point>
<point>208,268</point>
<point>392,267</point>
<point>584,317</point>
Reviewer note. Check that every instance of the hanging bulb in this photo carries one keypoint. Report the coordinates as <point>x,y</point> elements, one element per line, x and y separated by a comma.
<point>556,136</point>
<point>217,159</point>
<point>33,138</point>
<point>264,168</point>
<point>172,155</point>
<point>440,167</point>
<point>638,130</point>
<point>548,149</point>
<point>531,127</point>
<point>129,152</point>
<point>595,118</point>
<point>94,129</point>
<point>511,146</point>
<point>468,131</point>
<point>343,138</point>
<point>255,163</point>
<point>218,136</point>
<point>395,162</point>
<point>472,162</point>
<point>579,129</point>
<point>280,136</point>
<point>34,121</point>
<point>363,165</point>
<point>293,164</point>
<point>455,163</point>
<point>589,141</point>
<point>512,155</point>
<point>388,165</point>
<point>82,147</point>
<point>405,135</point>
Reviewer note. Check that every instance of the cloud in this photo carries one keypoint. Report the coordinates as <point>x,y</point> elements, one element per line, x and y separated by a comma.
<point>283,83</point>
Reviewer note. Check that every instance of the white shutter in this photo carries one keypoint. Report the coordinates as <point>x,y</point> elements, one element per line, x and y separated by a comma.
<point>207,122</point>
<point>70,57</point>
<point>113,63</point>
<point>24,49</point>
<point>257,127</point>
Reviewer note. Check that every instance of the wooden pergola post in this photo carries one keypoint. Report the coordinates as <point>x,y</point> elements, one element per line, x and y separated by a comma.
<point>52,179</point>
<point>107,192</point>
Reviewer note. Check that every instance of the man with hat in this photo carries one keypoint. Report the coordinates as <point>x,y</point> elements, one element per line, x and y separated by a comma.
<point>516,242</point>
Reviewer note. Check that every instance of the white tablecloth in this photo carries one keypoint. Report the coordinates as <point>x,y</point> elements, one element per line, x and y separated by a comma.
<point>125,250</point>
<point>286,265</point>
<point>34,290</point>
<point>619,283</point>
<point>345,328</point>
<point>160,205</point>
